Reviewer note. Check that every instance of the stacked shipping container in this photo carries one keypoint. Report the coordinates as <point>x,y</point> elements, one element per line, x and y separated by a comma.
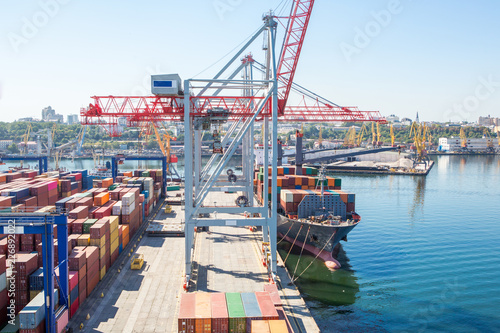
<point>96,235</point>
<point>230,312</point>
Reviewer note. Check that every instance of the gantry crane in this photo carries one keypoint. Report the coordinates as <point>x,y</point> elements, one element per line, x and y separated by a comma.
<point>203,103</point>
<point>392,135</point>
<point>463,139</point>
<point>361,135</point>
<point>350,138</point>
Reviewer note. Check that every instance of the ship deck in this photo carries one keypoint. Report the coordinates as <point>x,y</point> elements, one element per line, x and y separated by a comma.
<point>227,259</point>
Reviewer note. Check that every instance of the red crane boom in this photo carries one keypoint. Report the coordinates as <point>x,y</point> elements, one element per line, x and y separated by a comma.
<point>292,46</point>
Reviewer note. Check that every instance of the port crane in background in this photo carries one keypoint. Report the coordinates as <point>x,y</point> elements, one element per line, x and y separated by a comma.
<point>203,104</point>
<point>463,139</point>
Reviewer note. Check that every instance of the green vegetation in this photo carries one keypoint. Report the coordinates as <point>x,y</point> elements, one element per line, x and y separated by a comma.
<point>401,135</point>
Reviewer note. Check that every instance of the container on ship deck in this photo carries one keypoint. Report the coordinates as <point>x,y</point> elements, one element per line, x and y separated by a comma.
<point>187,316</point>
<point>252,310</point>
<point>236,312</point>
<point>220,317</point>
<point>203,313</point>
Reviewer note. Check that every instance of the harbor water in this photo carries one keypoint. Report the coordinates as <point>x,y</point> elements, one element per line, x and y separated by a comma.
<point>425,257</point>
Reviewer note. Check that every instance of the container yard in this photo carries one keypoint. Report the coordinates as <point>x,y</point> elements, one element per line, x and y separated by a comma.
<point>102,216</point>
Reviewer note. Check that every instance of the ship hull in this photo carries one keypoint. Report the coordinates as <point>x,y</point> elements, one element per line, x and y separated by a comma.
<point>319,237</point>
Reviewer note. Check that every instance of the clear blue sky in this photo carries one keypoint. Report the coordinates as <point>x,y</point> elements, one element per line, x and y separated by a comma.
<point>434,57</point>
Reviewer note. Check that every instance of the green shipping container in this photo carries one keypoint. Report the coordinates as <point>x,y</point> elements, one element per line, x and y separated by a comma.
<point>316,182</point>
<point>315,171</point>
<point>173,188</point>
<point>338,182</point>
<point>87,224</point>
<point>236,312</point>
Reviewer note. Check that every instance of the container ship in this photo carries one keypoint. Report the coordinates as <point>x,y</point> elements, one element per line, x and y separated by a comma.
<point>314,213</point>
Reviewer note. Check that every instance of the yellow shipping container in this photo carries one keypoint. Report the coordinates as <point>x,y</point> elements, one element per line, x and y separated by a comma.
<point>113,223</point>
<point>114,236</point>
<point>278,326</point>
<point>298,181</point>
<point>101,242</point>
<point>102,273</point>
<point>102,252</point>
<point>84,240</point>
<point>114,246</point>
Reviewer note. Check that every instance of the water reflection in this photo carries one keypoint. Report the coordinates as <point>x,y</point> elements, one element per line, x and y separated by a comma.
<point>418,197</point>
<point>318,283</point>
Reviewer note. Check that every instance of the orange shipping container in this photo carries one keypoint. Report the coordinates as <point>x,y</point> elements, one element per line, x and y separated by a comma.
<point>101,198</point>
<point>278,326</point>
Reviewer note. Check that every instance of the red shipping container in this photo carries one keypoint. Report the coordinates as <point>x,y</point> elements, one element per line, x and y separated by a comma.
<point>26,263</point>
<point>88,202</point>
<point>92,254</point>
<point>79,212</point>
<point>266,306</point>
<point>220,316</point>
<point>98,230</point>
<point>103,212</point>
<point>272,289</point>
<point>73,279</point>
<point>77,227</point>
<point>77,259</point>
<point>62,321</point>
<point>92,211</point>
<point>83,296</point>
<point>187,319</point>
<point>3,262</point>
<point>70,205</point>
<point>74,307</point>
<point>42,200</point>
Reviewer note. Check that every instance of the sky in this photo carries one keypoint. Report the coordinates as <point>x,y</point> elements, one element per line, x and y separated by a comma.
<point>437,58</point>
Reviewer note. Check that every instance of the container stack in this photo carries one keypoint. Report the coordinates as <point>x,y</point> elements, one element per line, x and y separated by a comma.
<point>114,240</point>
<point>92,258</point>
<point>187,315</point>
<point>232,312</point>
<point>96,236</point>
<point>288,179</point>
<point>77,261</point>
<point>220,316</point>
<point>26,263</point>
<point>203,313</point>
<point>32,317</point>
<point>236,311</point>
<point>73,292</point>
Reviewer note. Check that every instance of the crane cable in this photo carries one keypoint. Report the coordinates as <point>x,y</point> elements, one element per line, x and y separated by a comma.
<point>301,250</point>
<point>291,247</point>
<point>295,279</point>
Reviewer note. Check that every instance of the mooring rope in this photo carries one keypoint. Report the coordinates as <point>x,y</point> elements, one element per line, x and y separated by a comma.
<point>301,250</point>
<point>284,261</point>
<point>286,232</point>
<point>295,279</point>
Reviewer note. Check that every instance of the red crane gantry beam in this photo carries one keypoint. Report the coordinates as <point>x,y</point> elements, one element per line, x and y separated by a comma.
<point>107,110</point>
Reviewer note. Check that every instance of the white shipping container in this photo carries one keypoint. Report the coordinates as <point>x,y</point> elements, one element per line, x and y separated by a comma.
<point>117,208</point>
<point>3,281</point>
<point>128,199</point>
<point>127,210</point>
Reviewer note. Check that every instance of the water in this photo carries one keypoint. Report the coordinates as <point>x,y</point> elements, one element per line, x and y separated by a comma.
<point>88,164</point>
<point>425,258</point>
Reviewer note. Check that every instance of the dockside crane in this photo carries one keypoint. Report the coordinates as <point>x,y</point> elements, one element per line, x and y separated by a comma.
<point>259,100</point>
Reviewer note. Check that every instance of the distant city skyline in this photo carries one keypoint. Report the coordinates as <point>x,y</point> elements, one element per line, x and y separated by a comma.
<point>439,59</point>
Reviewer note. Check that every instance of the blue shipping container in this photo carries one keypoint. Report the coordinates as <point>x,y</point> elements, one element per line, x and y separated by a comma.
<point>34,313</point>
